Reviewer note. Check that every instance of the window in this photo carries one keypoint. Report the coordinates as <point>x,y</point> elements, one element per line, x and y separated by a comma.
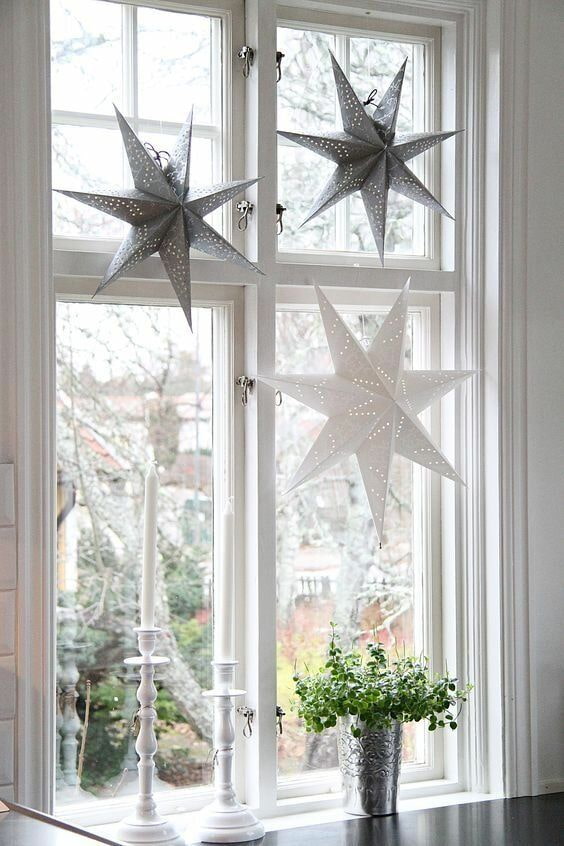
<point>153,64</point>
<point>307,102</point>
<point>329,564</point>
<point>134,384</point>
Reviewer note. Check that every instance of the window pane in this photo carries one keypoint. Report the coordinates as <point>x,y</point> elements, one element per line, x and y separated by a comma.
<point>306,94</point>
<point>85,55</point>
<point>155,64</point>
<point>307,102</point>
<point>85,159</point>
<point>330,566</point>
<point>133,385</point>
<point>299,184</point>
<point>376,62</point>
<point>175,65</point>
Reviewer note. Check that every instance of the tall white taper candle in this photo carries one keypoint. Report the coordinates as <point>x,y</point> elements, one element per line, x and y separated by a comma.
<point>149,549</point>
<point>224,592</point>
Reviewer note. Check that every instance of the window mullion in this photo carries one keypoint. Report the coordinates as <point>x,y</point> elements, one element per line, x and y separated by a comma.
<point>342,210</point>
<point>128,24</point>
<point>260,304</point>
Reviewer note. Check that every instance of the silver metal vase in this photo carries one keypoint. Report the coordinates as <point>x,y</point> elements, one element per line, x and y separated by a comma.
<point>370,767</point>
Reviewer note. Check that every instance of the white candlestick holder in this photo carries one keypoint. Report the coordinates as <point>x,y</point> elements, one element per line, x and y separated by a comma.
<point>145,825</point>
<point>226,820</point>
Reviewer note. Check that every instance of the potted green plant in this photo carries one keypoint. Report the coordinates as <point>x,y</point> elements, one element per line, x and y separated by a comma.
<point>370,697</point>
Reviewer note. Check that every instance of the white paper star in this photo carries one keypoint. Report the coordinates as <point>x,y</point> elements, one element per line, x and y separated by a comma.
<point>165,213</point>
<point>372,404</point>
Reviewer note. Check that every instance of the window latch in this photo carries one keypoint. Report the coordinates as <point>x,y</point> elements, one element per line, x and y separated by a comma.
<point>279,57</point>
<point>248,714</point>
<point>247,386</point>
<point>280,209</point>
<point>279,714</point>
<point>247,56</point>
<point>246,209</point>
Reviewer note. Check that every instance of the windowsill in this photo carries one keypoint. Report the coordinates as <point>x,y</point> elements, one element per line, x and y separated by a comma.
<point>187,823</point>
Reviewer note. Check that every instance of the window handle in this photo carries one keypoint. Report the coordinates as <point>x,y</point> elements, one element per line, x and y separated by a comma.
<point>279,714</point>
<point>247,386</point>
<point>249,715</point>
<point>280,209</point>
<point>247,56</point>
<point>279,57</point>
<point>246,209</point>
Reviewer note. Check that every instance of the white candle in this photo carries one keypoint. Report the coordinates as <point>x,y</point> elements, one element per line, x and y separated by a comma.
<point>224,591</point>
<point>149,549</point>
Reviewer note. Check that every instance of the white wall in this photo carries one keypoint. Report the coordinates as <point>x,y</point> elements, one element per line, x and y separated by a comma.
<point>545,383</point>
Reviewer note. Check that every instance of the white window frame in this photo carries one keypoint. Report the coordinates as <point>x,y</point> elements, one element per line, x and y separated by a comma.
<point>461,280</point>
<point>426,307</point>
<point>227,303</point>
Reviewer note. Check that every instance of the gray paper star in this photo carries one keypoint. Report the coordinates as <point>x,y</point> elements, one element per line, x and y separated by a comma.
<point>165,214</point>
<point>369,156</point>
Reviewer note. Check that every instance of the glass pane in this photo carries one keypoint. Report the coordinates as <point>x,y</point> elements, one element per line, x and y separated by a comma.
<point>307,103</point>
<point>85,159</point>
<point>375,62</point>
<point>330,566</point>
<point>299,185</point>
<point>306,93</point>
<point>85,55</point>
<point>175,65</point>
<point>133,384</point>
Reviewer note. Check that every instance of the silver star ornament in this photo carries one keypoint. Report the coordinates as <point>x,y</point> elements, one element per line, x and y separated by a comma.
<point>165,213</point>
<point>372,405</point>
<point>370,158</point>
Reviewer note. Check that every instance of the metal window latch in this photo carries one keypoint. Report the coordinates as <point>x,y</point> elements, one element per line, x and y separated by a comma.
<point>279,57</point>
<point>247,56</point>
<point>280,209</point>
<point>279,714</point>
<point>246,209</point>
<point>247,386</point>
<point>248,714</point>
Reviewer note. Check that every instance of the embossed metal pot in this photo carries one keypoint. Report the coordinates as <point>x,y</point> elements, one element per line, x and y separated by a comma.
<point>370,767</point>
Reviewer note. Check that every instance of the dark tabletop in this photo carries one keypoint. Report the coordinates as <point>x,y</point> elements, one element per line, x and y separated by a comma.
<point>23,827</point>
<point>537,821</point>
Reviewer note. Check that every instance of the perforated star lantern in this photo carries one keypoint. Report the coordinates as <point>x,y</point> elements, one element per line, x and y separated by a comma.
<point>370,158</point>
<point>371,403</point>
<point>165,213</point>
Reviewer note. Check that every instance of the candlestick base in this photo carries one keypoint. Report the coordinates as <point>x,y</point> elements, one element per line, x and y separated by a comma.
<point>133,829</point>
<point>233,824</point>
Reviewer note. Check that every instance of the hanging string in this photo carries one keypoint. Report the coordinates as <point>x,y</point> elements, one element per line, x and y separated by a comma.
<point>371,98</point>
<point>158,155</point>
